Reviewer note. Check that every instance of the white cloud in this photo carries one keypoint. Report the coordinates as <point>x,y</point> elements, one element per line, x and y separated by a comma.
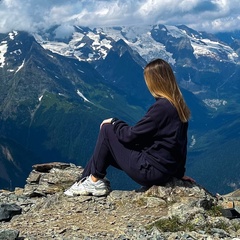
<point>32,15</point>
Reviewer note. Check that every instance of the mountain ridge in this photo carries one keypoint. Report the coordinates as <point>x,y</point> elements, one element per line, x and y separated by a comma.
<point>53,98</point>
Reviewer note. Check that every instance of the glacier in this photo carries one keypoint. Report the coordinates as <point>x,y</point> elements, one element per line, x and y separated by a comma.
<point>101,39</point>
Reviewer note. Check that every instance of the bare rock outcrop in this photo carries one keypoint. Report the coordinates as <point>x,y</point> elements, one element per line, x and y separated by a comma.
<point>50,178</point>
<point>178,210</point>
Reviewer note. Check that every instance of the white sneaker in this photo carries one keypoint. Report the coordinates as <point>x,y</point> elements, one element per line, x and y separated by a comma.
<point>69,192</point>
<point>87,187</point>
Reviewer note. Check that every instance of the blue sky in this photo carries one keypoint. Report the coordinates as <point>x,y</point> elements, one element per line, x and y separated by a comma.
<point>204,15</point>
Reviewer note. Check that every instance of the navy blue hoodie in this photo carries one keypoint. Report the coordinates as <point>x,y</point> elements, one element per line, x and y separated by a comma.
<point>161,137</point>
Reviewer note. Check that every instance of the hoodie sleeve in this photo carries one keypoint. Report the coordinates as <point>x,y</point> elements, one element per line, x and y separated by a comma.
<point>142,131</point>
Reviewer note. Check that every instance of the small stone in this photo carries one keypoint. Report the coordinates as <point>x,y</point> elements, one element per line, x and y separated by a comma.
<point>34,177</point>
<point>9,234</point>
<point>155,202</point>
<point>18,191</point>
<point>220,232</point>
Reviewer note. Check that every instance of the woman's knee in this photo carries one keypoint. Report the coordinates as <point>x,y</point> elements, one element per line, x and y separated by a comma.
<point>106,129</point>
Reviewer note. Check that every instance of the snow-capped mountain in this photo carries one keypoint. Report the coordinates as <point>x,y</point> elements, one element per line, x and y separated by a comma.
<point>55,92</point>
<point>149,41</point>
<point>197,57</point>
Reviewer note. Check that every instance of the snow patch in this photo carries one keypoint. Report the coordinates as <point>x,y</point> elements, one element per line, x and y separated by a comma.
<point>40,98</point>
<point>3,50</point>
<point>20,67</point>
<point>12,35</point>
<point>212,49</point>
<point>73,48</point>
<point>17,52</point>
<point>82,96</point>
<point>175,32</point>
<point>193,141</point>
<point>58,47</point>
<point>215,103</point>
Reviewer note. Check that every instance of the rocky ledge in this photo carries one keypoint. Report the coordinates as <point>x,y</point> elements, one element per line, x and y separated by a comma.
<point>178,210</point>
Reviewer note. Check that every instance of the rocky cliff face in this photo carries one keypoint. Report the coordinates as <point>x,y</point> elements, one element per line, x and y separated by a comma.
<point>178,210</point>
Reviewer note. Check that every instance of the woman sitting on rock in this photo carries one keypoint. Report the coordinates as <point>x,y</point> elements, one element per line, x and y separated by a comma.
<point>150,152</point>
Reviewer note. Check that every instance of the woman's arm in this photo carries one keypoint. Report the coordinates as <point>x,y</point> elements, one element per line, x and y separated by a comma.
<point>145,127</point>
<point>142,130</point>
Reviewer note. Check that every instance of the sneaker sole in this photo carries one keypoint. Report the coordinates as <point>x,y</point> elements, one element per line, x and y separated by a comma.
<point>96,193</point>
<point>68,193</point>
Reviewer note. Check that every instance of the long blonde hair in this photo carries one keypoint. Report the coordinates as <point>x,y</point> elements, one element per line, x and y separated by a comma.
<point>161,82</point>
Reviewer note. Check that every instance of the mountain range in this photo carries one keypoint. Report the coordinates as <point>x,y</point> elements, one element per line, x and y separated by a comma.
<point>55,90</point>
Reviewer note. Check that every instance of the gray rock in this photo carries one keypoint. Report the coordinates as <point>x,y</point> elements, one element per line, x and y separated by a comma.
<point>9,234</point>
<point>51,178</point>
<point>178,210</point>
<point>7,211</point>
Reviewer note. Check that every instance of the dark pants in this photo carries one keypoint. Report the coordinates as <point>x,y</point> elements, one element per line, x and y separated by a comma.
<point>109,151</point>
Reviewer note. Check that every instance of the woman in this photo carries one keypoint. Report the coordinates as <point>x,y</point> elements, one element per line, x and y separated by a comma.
<point>151,152</point>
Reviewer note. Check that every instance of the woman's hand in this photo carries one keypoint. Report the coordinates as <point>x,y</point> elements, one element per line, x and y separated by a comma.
<point>186,178</point>
<point>108,120</point>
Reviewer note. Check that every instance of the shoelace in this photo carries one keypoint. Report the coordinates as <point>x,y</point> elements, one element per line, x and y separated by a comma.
<point>81,180</point>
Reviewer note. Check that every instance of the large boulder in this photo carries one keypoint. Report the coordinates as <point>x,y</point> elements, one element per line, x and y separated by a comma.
<point>50,178</point>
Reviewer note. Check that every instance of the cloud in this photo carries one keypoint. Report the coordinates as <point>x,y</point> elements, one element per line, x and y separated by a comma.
<point>205,6</point>
<point>35,15</point>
